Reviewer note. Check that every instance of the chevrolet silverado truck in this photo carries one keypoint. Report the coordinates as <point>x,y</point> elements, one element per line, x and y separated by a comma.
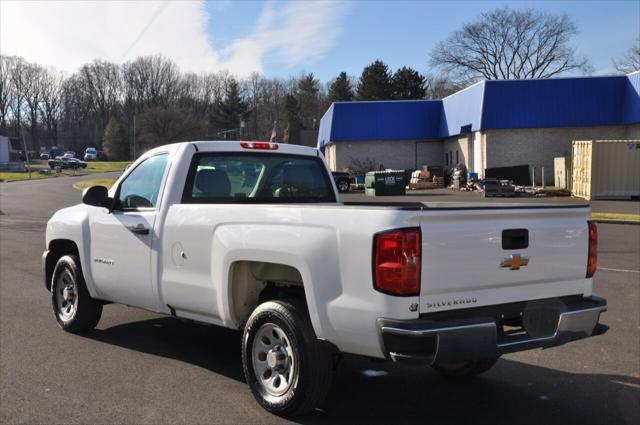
<point>252,236</point>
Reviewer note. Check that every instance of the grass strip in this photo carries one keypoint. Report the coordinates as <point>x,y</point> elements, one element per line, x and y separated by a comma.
<point>616,217</point>
<point>94,182</point>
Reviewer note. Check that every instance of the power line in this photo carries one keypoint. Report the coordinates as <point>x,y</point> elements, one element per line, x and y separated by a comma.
<point>155,15</point>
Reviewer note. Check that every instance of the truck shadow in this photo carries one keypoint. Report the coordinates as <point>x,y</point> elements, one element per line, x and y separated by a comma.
<point>369,392</point>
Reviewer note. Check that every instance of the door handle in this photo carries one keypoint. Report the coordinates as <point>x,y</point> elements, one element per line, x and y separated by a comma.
<point>139,229</point>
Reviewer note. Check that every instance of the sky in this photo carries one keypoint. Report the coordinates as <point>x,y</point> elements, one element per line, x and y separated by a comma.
<point>281,39</point>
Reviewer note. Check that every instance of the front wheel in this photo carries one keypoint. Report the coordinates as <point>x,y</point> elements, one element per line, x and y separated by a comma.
<point>287,368</point>
<point>74,309</point>
<point>465,369</point>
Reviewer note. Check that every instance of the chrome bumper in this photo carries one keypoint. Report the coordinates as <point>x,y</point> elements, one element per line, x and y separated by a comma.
<point>479,333</point>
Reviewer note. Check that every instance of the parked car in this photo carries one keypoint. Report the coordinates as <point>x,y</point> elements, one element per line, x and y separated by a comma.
<point>55,152</point>
<point>342,179</point>
<point>44,156</point>
<point>66,162</point>
<point>306,277</point>
<point>90,154</point>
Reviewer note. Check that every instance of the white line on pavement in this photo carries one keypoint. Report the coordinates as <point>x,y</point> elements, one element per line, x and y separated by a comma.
<point>618,270</point>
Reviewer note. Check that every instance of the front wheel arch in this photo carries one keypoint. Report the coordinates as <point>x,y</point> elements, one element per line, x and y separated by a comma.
<point>57,249</point>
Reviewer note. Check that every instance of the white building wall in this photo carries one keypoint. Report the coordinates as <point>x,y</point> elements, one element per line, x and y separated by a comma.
<point>538,146</point>
<point>430,153</point>
<point>457,148</point>
<point>478,157</point>
<point>479,150</point>
<point>397,154</point>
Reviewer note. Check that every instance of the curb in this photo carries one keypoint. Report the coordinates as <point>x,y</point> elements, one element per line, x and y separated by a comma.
<point>600,220</point>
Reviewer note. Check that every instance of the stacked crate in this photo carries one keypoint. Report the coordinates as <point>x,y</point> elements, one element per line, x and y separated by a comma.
<point>424,179</point>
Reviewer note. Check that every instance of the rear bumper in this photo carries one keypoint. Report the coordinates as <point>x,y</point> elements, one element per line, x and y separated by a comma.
<point>484,333</point>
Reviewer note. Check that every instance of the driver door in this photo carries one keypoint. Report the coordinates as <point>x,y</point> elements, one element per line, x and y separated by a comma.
<point>121,241</point>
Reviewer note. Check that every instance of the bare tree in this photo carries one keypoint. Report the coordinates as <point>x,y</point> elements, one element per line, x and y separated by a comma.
<point>161,125</point>
<point>33,76</point>
<point>51,107</point>
<point>17,91</point>
<point>6,68</point>
<point>155,80</point>
<point>101,79</point>
<point>440,86</point>
<point>79,123</point>
<point>510,44</point>
<point>253,89</point>
<point>631,61</point>
<point>273,96</point>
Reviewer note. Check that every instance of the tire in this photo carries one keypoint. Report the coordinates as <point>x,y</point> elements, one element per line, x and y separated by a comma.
<point>467,369</point>
<point>343,185</point>
<point>287,368</point>
<point>74,309</point>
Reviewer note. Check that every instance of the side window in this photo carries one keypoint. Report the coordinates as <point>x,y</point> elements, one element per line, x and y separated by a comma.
<point>141,188</point>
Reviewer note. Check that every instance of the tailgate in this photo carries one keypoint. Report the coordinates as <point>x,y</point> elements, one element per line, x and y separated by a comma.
<point>474,257</point>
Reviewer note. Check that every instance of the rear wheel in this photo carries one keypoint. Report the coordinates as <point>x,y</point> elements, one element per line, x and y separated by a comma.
<point>287,368</point>
<point>465,369</point>
<point>74,309</point>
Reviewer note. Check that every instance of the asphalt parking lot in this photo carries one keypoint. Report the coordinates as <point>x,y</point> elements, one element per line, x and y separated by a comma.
<point>139,367</point>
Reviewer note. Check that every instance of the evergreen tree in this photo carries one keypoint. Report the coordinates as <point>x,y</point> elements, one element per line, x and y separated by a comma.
<point>340,89</point>
<point>292,131</point>
<point>408,84</point>
<point>232,109</point>
<point>115,142</point>
<point>375,82</point>
<point>308,100</point>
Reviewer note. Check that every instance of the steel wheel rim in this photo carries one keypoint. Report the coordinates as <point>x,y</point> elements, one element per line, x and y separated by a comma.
<point>273,360</point>
<point>66,296</point>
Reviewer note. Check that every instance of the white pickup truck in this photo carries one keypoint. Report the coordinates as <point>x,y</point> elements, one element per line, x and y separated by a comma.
<point>252,236</point>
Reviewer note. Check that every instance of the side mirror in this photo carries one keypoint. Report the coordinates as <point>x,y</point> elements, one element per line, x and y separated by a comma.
<point>97,196</point>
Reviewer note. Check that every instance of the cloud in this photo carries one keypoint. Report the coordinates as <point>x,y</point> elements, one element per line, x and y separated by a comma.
<point>292,32</point>
<point>67,34</point>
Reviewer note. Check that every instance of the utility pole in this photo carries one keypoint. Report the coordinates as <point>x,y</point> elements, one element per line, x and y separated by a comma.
<point>26,153</point>
<point>134,136</point>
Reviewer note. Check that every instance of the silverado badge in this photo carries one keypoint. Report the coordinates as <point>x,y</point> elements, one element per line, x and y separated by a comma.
<point>515,261</point>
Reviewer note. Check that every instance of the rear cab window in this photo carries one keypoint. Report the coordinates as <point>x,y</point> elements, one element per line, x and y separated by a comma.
<point>239,178</point>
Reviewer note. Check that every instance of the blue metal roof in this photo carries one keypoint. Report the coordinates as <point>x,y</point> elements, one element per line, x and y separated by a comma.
<point>391,120</point>
<point>504,104</point>
<point>631,107</point>
<point>553,103</point>
<point>462,111</point>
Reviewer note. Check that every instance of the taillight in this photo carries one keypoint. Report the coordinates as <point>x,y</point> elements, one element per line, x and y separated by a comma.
<point>592,262</point>
<point>260,145</point>
<point>396,262</point>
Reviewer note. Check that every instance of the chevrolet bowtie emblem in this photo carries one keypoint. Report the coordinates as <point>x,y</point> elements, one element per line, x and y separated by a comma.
<point>515,261</point>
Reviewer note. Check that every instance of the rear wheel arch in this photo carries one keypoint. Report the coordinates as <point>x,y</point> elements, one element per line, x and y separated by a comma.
<point>254,282</point>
